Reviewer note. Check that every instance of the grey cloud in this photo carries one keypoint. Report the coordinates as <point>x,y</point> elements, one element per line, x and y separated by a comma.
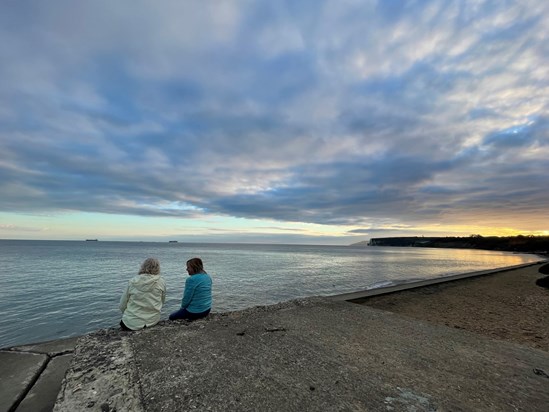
<point>356,113</point>
<point>339,193</point>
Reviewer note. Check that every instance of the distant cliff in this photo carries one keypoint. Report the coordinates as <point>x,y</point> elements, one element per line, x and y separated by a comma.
<point>520,243</point>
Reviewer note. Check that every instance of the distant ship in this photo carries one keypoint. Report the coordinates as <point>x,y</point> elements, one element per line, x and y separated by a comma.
<point>172,241</point>
<point>91,240</point>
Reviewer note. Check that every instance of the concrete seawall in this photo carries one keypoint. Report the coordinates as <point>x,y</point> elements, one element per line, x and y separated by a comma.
<point>307,354</point>
<point>32,374</point>
<point>427,282</point>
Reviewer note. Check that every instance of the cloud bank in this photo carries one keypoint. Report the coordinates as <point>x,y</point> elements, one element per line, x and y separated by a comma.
<point>355,113</point>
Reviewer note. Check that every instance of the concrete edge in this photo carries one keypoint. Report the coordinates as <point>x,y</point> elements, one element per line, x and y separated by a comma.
<point>47,349</point>
<point>107,382</point>
<point>43,393</point>
<point>350,296</point>
<point>41,367</point>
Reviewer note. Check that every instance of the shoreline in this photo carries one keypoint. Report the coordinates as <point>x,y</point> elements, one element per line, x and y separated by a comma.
<point>349,296</point>
<point>415,303</point>
<point>397,287</point>
<point>504,305</point>
<point>305,354</point>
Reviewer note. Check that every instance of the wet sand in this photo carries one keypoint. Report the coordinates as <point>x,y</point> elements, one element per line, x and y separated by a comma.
<point>506,305</point>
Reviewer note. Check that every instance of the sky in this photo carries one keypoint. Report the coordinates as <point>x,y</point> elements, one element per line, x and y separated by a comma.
<point>315,122</point>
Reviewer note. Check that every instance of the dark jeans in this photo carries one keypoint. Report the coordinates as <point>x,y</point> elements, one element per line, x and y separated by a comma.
<point>124,327</point>
<point>185,314</point>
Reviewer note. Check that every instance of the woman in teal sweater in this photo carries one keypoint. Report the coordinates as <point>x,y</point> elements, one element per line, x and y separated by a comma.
<point>197,298</point>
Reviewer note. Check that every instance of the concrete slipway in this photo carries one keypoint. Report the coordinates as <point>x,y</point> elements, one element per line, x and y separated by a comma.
<point>308,354</point>
<point>31,375</point>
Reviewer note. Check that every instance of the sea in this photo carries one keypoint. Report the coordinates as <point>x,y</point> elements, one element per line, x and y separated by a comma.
<point>58,289</point>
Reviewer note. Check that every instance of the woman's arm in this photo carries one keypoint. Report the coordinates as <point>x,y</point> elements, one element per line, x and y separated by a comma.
<point>163,293</point>
<point>124,299</point>
<point>189,292</point>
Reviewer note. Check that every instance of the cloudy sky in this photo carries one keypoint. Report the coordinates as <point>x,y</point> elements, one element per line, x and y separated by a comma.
<point>273,121</point>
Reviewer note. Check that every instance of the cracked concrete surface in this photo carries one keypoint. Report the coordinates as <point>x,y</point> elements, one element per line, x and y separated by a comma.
<point>304,355</point>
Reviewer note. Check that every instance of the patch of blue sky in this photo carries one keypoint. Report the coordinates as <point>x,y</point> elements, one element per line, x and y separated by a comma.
<point>173,206</point>
<point>514,136</point>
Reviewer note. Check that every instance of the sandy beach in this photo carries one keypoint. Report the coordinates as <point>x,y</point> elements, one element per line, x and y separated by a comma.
<point>506,305</point>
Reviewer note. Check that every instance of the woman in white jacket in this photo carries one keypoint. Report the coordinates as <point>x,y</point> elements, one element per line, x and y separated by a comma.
<point>143,299</point>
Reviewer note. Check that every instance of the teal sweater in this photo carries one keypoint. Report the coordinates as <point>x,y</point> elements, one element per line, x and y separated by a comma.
<point>198,293</point>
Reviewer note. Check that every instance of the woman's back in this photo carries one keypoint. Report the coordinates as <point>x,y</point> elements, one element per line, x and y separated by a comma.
<point>142,301</point>
<point>198,293</point>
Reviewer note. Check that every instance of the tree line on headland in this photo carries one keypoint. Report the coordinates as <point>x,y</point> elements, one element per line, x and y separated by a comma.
<point>520,243</point>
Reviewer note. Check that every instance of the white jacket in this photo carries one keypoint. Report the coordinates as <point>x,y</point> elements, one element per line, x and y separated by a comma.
<point>142,301</point>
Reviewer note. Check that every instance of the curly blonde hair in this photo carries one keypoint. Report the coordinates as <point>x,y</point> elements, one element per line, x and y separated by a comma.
<point>150,266</point>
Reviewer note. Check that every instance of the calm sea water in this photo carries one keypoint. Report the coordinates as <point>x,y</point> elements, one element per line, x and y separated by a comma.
<point>54,289</point>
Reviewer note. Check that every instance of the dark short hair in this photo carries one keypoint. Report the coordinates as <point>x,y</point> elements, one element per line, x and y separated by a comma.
<point>195,265</point>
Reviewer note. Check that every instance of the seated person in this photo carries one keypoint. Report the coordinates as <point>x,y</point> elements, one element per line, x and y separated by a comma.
<point>197,297</point>
<point>143,299</point>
